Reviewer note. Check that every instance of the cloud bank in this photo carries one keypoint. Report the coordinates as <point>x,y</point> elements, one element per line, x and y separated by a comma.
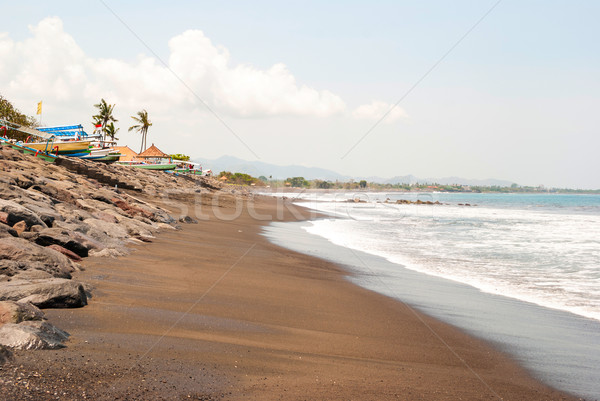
<point>50,65</point>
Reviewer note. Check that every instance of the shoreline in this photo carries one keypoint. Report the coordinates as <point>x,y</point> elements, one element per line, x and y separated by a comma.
<point>232,316</point>
<point>556,346</point>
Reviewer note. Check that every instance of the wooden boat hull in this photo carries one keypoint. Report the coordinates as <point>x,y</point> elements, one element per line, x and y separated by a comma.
<point>163,167</point>
<point>27,150</point>
<point>105,155</point>
<point>70,148</point>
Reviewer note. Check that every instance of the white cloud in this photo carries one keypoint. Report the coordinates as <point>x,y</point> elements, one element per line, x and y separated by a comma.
<point>376,109</point>
<point>50,65</point>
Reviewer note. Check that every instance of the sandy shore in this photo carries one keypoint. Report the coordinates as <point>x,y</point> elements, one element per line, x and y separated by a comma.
<point>214,311</point>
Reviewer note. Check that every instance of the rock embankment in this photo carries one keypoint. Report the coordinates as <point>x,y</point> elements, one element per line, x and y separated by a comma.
<point>54,215</point>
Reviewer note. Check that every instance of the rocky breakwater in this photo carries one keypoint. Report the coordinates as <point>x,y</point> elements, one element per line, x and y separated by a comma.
<point>52,216</point>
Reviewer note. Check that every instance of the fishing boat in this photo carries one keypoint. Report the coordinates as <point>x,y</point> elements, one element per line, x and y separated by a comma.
<point>106,155</point>
<point>27,150</point>
<point>150,166</point>
<point>62,148</point>
<point>188,168</point>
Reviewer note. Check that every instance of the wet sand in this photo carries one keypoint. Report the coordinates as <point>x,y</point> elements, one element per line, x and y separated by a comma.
<point>215,311</point>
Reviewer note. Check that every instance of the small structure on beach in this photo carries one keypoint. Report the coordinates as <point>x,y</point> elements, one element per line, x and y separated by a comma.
<point>154,155</point>
<point>127,154</point>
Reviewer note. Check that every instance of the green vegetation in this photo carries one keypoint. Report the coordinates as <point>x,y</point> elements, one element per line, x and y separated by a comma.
<point>240,179</point>
<point>105,116</point>
<point>10,113</point>
<point>180,156</point>
<point>301,182</point>
<point>111,131</point>
<point>143,123</point>
<point>297,182</point>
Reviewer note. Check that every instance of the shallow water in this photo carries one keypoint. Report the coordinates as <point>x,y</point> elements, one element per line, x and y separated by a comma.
<point>521,273</point>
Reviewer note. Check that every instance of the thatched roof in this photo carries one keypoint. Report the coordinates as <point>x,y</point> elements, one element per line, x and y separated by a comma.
<point>153,151</point>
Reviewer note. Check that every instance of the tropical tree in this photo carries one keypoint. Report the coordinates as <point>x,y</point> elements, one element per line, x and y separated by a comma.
<point>10,114</point>
<point>105,115</point>
<point>143,123</point>
<point>111,131</point>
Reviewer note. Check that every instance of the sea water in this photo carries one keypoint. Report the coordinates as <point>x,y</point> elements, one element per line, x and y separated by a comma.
<point>520,270</point>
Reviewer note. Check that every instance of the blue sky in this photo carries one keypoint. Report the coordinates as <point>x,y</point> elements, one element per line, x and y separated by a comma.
<point>517,99</point>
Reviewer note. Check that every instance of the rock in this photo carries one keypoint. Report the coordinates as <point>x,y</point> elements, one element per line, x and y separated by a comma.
<point>87,241</point>
<point>19,254</point>
<point>18,212</point>
<point>32,274</point>
<point>5,355</point>
<point>36,228</point>
<point>4,218</point>
<point>110,229</point>
<point>20,227</point>
<point>71,255</point>
<point>53,293</point>
<point>105,216</point>
<point>188,220</point>
<point>32,335</point>
<point>7,231</point>
<point>17,312</point>
<point>57,236</point>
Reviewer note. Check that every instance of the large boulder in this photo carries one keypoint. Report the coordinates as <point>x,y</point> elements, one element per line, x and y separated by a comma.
<point>18,212</point>
<point>57,236</point>
<point>17,312</point>
<point>19,254</point>
<point>32,335</point>
<point>53,293</point>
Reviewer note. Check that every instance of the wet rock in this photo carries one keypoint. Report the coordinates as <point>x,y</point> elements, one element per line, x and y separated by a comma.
<point>53,293</point>
<point>188,220</point>
<point>32,335</point>
<point>17,312</point>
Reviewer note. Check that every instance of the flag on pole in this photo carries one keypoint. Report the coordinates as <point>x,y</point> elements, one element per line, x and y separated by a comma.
<point>39,110</point>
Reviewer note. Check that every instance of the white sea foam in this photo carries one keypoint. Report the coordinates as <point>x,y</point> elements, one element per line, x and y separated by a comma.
<point>548,255</point>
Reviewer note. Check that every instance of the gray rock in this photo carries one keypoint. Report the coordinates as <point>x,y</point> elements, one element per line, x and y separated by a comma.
<point>57,236</point>
<point>18,212</point>
<point>19,254</point>
<point>32,335</point>
<point>17,312</point>
<point>7,231</point>
<point>53,293</point>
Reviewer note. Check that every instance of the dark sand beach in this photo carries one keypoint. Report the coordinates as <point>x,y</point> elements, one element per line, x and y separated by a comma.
<point>215,311</point>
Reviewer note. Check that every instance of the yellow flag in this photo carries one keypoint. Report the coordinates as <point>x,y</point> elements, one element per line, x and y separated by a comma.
<point>39,111</point>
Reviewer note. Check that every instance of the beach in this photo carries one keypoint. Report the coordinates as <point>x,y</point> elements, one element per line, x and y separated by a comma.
<point>216,311</point>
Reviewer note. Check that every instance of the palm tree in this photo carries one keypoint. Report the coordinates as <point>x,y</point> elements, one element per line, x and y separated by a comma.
<point>111,131</point>
<point>142,126</point>
<point>104,115</point>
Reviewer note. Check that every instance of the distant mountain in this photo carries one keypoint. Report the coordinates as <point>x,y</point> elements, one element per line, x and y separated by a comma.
<point>258,168</point>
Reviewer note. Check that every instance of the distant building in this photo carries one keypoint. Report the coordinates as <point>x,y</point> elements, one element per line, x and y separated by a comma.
<point>127,154</point>
<point>153,155</point>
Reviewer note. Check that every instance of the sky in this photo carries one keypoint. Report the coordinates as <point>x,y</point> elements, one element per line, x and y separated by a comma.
<point>481,89</point>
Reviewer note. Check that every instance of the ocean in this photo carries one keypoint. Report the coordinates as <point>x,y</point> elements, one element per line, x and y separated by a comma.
<point>519,270</point>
